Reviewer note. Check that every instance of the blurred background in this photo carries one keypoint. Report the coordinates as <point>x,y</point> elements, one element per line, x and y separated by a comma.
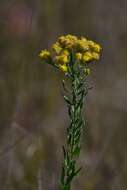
<point>33,115</point>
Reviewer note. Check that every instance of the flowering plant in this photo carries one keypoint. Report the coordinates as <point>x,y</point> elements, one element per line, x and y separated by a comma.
<point>72,55</point>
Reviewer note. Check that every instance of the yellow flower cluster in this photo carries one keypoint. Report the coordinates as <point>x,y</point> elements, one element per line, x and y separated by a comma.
<point>84,51</point>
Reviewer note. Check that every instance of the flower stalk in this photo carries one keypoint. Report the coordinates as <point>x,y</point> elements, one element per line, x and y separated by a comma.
<point>73,55</point>
<point>75,102</point>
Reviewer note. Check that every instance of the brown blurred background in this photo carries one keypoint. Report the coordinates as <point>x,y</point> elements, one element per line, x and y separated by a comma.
<point>33,115</point>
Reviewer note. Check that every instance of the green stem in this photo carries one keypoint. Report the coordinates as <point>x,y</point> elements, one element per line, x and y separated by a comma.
<point>74,131</point>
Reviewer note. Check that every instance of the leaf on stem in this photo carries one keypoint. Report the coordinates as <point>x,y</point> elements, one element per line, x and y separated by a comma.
<point>67,100</point>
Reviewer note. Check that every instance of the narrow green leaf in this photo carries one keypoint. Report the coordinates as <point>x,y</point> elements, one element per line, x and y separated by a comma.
<point>76,172</point>
<point>67,100</point>
<point>76,151</point>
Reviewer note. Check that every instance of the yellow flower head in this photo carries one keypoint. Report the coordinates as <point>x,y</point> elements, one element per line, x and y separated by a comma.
<point>97,48</point>
<point>78,56</point>
<point>91,43</point>
<point>61,59</point>
<point>87,57</point>
<point>82,45</point>
<point>56,48</point>
<point>67,38</point>
<point>45,55</point>
<point>63,67</point>
<point>65,52</point>
<point>67,41</point>
<point>90,56</point>
<point>96,56</point>
<point>94,46</point>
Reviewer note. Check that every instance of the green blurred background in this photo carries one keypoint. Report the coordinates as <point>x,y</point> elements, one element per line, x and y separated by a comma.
<point>33,115</point>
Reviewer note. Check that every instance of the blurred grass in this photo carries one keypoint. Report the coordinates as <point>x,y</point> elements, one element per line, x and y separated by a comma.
<point>30,99</point>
